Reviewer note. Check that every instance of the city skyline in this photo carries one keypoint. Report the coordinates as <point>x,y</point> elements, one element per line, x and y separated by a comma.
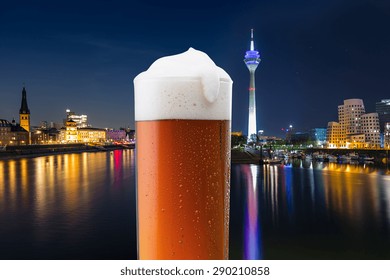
<point>85,56</point>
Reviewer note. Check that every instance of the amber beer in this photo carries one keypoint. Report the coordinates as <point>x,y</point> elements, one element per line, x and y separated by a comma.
<point>183,170</point>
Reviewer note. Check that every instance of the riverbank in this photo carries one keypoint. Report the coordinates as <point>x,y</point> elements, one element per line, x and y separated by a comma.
<point>243,157</point>
<point>42,150</point>
<point>237,156</point>
<point>378,157</point>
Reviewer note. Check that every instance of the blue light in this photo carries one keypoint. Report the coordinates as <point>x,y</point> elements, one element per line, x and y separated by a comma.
<point>252,55</point>
<point>252,58</point>
<point>252,225</point>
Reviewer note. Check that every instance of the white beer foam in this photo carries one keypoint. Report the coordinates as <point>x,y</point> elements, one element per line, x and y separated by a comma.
<point>184,86</point>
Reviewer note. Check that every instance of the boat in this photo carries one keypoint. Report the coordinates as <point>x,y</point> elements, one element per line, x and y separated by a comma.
<point>344,158</point>
<point>320,157</point>
<point>275,161</point>
<point>308,157</point>
<point>332,158</point>
<point>354,156</point>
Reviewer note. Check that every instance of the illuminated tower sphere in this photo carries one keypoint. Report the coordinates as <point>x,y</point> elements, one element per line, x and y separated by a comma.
<point>24,112</point>
<point>252,60</point>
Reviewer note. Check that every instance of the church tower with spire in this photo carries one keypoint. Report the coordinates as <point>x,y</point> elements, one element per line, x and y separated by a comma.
<point>24,112</point>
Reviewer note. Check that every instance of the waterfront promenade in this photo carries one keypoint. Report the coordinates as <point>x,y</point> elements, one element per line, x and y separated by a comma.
<point>237,156</point>
<point>39,150</point>
<point>247,156</point>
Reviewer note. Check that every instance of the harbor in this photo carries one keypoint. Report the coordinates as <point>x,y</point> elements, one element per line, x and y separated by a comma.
<point>248,155</point>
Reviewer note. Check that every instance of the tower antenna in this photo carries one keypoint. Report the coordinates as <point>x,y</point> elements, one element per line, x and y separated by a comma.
<point>252,48</point>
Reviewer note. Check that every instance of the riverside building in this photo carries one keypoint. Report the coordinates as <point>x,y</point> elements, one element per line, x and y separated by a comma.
<point>349,117</point>
<point>91,135</point>
<point>318,136</point>
<point>333,135</point>
<point>370,128</point>
<point>387,135</point>
<point>383,110</point>
<point>80,120</point>
<point>355,128</point>
<point>114,135</point>
<point>72,134</point>
<point>12,134</point>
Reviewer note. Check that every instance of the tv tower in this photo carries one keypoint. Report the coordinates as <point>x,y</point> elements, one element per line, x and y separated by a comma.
<point>252,60</point>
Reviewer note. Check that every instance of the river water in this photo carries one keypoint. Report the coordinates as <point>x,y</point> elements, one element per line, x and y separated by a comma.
<point>82,206</point>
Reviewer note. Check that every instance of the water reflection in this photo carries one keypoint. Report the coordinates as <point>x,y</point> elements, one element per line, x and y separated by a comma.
<point>82,206</point>
<point>287,190</point>
<point>63,206</point>
<point>252,230</point>
<point>312,210</point>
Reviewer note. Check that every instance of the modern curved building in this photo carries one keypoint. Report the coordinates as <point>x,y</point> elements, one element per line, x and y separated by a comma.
<point>355,128</point>
<point>349,116</point>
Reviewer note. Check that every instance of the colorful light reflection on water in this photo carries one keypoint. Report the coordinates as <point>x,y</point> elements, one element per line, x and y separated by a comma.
<point>70,206</point>
<point>82,206</point>
<point>252,240</point>
<point>308,210</point>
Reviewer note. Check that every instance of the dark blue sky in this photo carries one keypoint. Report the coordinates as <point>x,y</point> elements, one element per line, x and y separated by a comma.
<point>83,55</point>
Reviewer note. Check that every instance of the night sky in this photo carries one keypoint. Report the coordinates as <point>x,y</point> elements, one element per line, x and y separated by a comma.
<point>83,55</point>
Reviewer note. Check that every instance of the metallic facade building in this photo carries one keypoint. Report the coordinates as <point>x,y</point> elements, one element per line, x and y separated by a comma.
<point>252,60</point>
<point>318,135</point>
<point>386,133</point>
<point>383,110</point>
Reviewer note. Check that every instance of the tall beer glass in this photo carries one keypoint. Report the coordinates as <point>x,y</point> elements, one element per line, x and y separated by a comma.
<point>183,114</point>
